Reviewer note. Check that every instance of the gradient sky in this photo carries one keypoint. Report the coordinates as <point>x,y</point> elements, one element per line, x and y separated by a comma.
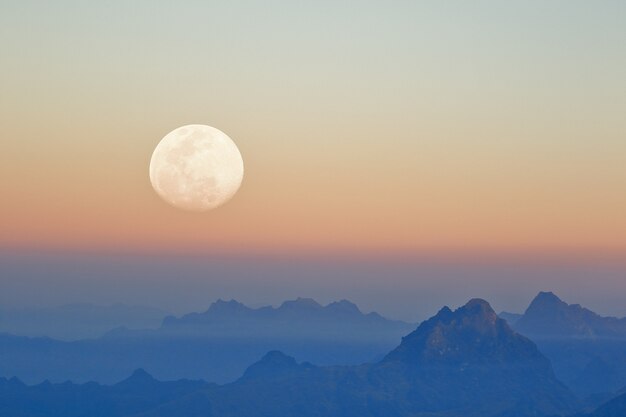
<point>458,128</point>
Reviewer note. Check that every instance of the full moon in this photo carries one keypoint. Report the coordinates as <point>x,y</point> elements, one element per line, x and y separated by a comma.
<point>196,167</point>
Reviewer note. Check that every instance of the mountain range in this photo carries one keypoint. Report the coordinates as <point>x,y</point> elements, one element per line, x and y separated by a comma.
<point>216,345</point>
<point>449,366</point>
<point>302,318</point>
<point>466,362</point>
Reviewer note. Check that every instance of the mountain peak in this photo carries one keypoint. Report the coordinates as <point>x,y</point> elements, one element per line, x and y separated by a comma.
<point>478,305</point>
<point>140,374</point>
<point>276,357</point>
<point>300,304</point>
<point>549,316</point>
<point>15,381</point>
<point>343,306</point>
<point>138,378</point>
<point>547,297</point>
<point>274,363</point>
<point>472,332</point>
<point>444,311</point>
<point>546,302</point>
<point>227,307</point>
<point>478,314</point>
<point>226,304</point>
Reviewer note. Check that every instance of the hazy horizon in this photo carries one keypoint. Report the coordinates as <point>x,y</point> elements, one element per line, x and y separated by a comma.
<point>410,290</point>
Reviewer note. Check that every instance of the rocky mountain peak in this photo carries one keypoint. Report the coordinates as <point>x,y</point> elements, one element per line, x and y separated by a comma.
<point>472,332</point>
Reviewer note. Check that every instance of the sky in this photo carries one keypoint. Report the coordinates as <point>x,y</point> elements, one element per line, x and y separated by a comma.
<point>479,133</point>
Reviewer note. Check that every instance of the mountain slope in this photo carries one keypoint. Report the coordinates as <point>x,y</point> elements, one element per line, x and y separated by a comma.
<point>469,357</point>
<point>614,408</point>
<point>465,362</point>
<point>587,351</point>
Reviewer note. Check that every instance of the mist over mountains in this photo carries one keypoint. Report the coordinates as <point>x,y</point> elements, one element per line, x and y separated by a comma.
<point>78,321</point>
<point>465,362</point>
<point>216,345</point>
<point>511,318</point>
<point>301,318</point>
<point>554,360</point>
<point>587,351</point>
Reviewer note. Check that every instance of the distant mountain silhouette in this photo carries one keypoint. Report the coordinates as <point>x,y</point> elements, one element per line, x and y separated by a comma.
<point>303,317</point>
<point>588,351</point>
<point>216,345</point>
<point>511,318</point>
<point>301,308</point>
<point>78,321</point>
<point>462,363</point>
<point>549,316</point>
<point>140,379</point>
<point>274,364</point>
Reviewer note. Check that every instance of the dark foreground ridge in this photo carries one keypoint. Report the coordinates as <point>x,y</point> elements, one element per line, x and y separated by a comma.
<point>466,362</point>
